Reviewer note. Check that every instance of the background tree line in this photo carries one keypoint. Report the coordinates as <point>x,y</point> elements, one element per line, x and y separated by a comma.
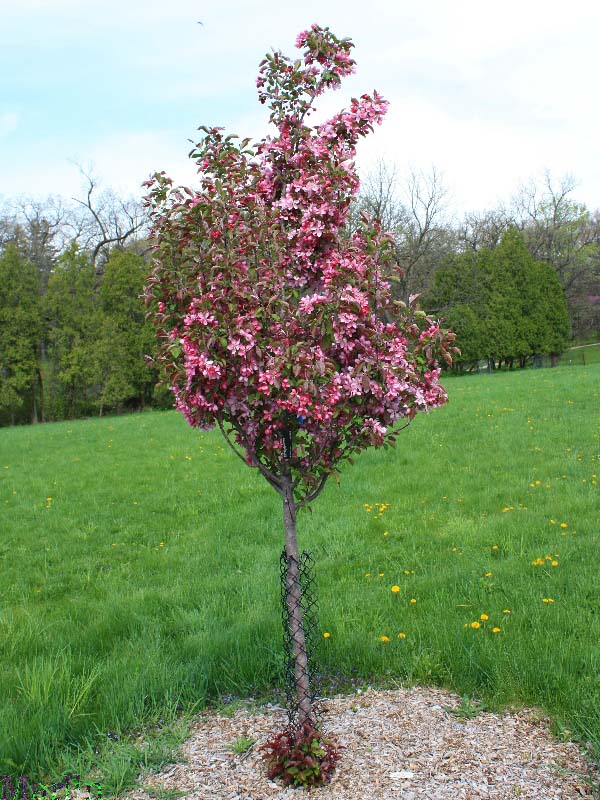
<point>513,281</point>
<point>73,333</point>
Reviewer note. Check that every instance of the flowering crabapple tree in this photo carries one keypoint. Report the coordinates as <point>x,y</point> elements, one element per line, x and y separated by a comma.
<point>275,322</point>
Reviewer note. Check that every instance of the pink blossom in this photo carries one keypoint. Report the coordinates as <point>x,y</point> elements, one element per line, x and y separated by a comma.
<point>281,321</point>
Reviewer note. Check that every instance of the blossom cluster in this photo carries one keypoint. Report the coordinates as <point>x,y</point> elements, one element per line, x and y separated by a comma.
<point>276,322</point>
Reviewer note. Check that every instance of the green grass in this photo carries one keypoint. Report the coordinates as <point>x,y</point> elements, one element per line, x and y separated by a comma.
<point>583,355</point>
<point>148,585</point>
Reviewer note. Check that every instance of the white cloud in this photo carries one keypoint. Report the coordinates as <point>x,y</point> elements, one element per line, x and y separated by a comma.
<point>488,93</point>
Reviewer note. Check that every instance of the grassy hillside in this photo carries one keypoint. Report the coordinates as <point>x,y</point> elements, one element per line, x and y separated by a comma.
<point>139,568</point>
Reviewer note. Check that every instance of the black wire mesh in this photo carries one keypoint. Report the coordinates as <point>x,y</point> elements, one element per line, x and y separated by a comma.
<point>308,606</point>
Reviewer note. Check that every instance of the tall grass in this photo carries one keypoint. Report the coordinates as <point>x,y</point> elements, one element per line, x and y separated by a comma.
<point>139,567</point>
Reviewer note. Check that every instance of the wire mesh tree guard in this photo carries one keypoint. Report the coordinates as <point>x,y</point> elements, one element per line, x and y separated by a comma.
<point>308,606</point>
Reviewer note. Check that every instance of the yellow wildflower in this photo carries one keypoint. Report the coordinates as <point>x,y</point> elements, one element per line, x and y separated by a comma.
<point>483,617</point>
<point>476,624</point>
<point>395,589</point>
<point>401,635</point>
<point>384,638</point>
<point>496,630</point>
<point>326,635</point>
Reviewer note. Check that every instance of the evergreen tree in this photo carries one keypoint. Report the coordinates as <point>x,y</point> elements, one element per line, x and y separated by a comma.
<point>20,335</point>
<point>74,325</point>
<point>125,337</point>
<point>502,303</point>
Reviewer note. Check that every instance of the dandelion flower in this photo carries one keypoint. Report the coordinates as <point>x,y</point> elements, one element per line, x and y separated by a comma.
<point>554,563</point>
<point>381,574</point>
<point>496,630</point>
<point>495,547</point>
<point>547,600</point>
<point>395,589</point>
<point>401,635</point>
<point>488,574</point>
<point>564,525</point>
<point>384,638</point>
<point>413,601</point>
<point>326,635</point>
<point>507,611</point>
<point>476,624</point>
<point>483,617</point>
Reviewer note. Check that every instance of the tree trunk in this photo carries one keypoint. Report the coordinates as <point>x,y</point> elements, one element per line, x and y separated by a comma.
<point>294,606</point>
<point>34,413</point>
<point>42,404</point>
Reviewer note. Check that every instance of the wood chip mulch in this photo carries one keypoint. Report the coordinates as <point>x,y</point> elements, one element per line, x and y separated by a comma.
<point>403,744</point>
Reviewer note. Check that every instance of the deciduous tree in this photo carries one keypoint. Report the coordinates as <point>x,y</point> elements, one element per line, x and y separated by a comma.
<point>273,325</point>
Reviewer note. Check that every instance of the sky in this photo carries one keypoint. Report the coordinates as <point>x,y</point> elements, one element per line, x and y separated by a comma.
<point>490,94</point>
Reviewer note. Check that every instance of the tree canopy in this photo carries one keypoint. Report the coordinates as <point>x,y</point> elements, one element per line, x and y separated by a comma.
<point>273,324</point>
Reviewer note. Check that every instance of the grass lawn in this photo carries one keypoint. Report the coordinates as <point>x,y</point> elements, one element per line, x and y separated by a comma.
<point>582,355</point>
<point>139,570</point>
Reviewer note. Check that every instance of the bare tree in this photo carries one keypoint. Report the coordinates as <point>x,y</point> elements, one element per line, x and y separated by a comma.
<point>102,220</point>
<point>483,229</point>
<point>413,210</point>
<point>563,233</point>
<point>8,224</point>
<point>98,221</point>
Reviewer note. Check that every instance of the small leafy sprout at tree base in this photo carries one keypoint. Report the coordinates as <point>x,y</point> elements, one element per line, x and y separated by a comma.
<point>274,321</point>
<point>467,709</point>
<point>242,744</point>
<point>301,757</point>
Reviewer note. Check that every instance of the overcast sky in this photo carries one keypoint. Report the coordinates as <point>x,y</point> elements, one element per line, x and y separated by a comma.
<point>490,93</point>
